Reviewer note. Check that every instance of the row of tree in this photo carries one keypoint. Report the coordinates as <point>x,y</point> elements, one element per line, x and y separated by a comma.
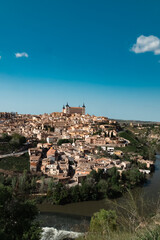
<point>97,185</point>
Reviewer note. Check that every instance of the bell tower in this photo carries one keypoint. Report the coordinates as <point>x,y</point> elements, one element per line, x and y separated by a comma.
<point>63,109</point>
<point>67,109</point>
<point>83,109</point>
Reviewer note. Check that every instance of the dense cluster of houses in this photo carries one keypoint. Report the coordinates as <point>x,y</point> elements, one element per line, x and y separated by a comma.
<point>58,125</point>
<point>69,161</point>
<point>72,162</point>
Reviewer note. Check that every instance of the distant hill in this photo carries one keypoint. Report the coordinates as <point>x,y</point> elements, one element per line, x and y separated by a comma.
<point>136,121</point>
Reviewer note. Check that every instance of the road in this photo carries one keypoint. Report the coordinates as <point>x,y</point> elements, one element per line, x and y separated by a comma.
<point>13,154</point>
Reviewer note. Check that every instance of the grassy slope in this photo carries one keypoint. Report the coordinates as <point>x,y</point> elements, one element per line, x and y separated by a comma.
<point>150,232</point>
<point>129,136</point>
<point>136,144</point>
<point>15,163</point>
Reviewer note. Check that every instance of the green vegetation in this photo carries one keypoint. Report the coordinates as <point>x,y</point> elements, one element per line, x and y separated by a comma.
<point>132,177</point>
<point>61,141</point>
<point>138,145</point>
<point>103,221</point>
<point>15,163</point>
<point>96,186</point>
<point>17,217</point>
<point>48,127</point>
<point>98,132</point>
<point>129,136</point>
<point>130,221</point>
<point>142,165</point>
<point>152,233</point>
<point>8,144</point>
<point>20,184</point>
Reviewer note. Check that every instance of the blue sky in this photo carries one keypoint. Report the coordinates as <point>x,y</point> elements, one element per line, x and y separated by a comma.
<point>104,53</point>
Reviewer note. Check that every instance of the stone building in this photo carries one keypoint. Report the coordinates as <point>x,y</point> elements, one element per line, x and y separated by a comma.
<point>71,110</point>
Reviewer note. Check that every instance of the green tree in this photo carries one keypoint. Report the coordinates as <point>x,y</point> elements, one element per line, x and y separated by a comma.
<point>33,184</point>
<point>17,140</point>
<point>133,177</point>
<point>50,187</point>
<point>5,138</point>
<point>23,183</point>
<point>14,182</point>
<point>42,185</point>
<point>75,193</point>
<point>103,222</point>
<point>61,141</point>
<point>61,195</point>
<point>89,190</point>
<point>102,188</point>
<point>2,178</point>
<point>17,217</point>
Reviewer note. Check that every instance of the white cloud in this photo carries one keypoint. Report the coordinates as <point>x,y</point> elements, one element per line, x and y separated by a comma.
<point>147,44</point>
<point>23,54</point>
<point>0,57</point>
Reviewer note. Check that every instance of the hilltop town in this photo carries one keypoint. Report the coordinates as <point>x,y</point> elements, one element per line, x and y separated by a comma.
<point>68,145</point>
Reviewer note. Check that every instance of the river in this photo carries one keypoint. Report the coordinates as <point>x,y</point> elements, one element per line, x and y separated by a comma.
<point>76,216</point>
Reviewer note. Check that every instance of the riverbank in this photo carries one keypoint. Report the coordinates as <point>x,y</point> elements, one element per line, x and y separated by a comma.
<point>71,215</point>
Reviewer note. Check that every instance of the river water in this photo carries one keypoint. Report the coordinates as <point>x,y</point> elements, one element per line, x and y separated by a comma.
<point>76,216</point>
